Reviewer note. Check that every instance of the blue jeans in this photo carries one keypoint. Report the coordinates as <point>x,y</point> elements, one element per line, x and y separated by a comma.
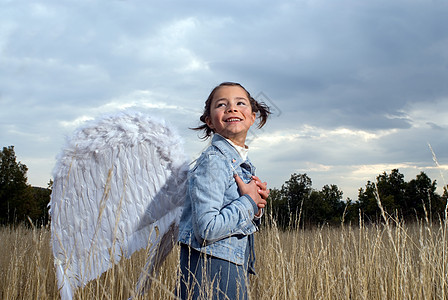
<point>206,277</point>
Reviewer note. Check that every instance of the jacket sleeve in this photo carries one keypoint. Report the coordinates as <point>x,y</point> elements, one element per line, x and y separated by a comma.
<point>212,219</point>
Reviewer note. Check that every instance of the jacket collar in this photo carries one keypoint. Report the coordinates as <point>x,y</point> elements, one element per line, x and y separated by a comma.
<point>229,152</point>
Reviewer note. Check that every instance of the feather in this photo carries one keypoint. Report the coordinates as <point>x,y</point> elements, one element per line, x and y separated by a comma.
<point>119,186</point>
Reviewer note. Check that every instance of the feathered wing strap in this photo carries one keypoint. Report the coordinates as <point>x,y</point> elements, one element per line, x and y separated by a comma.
<point>119,186</point>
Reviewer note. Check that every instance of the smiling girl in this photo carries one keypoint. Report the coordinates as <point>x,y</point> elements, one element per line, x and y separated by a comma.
<point>224,200</point>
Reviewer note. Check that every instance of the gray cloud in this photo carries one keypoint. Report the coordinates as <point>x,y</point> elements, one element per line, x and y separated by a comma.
<point>357,84</point>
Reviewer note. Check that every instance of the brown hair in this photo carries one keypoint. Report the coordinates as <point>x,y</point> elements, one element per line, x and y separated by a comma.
<point>260,108</point>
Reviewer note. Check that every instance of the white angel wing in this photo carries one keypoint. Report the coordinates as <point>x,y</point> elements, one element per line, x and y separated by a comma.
<point>119,186</point>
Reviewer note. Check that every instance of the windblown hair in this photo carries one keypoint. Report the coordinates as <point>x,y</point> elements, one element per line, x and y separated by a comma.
<point>260,108</point>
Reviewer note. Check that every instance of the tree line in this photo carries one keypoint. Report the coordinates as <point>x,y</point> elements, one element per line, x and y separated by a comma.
<point>19,201</point>
<point>296,203</point>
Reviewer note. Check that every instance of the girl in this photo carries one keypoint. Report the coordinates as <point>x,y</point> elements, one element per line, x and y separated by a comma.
<point>224,200</point>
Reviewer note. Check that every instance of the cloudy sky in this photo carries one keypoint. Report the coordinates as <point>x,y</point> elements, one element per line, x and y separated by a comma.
<point>357,87</point>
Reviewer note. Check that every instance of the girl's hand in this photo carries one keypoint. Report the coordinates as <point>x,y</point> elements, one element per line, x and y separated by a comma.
<point>251,189</point>
<point>263,190</point>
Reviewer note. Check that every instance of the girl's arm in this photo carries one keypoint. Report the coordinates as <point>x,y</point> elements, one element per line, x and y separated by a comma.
<point>212,220</point>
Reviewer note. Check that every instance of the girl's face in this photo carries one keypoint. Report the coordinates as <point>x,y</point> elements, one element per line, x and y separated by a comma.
<point>231,114</point>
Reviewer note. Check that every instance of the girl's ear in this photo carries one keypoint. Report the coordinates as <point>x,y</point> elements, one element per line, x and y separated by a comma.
<point>209,123</point>
<point>254,117</point>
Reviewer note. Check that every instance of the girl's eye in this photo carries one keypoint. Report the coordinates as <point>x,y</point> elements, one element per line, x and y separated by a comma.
<point>241,103</point>
<point>220,104</point>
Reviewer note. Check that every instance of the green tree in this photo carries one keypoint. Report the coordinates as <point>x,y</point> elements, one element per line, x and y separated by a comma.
<point>41,198</point>
<point>297,203</point>
<point>368,203</point>
<point>276,206</point>
<point>16,197</point>
<point>351,212</point>
<point>295,192</point>
<point>406,200</point>
<point>286,204</point>
<point>333,204</point>
<point>391,191</point>
<point>324,206</point>
<point>421,198</point>
<point>444,199</point>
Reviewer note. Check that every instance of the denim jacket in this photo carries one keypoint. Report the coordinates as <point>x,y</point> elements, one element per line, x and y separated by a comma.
<point>216,219</point>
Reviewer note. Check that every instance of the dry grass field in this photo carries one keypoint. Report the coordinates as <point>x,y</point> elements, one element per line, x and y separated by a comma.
<point>395,261</point>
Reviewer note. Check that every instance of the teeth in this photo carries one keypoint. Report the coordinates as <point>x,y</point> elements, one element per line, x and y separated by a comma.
<point>232,120</point>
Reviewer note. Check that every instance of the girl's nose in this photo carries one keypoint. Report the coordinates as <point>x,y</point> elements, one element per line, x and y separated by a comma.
<point>231,108</point>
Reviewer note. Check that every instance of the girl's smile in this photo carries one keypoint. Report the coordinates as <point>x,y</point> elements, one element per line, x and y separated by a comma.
<point>231,114</point>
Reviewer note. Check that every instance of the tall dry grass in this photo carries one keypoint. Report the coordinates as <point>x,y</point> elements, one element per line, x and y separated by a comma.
<point>393,260</point>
